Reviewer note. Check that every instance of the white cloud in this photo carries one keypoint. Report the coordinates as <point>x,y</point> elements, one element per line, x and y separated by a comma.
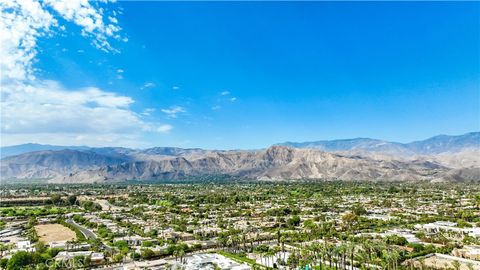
<point>148,111</point>
<point>173,111</point>
<point>233,99</point>
<point>119,70</point>
<point>147,85</point>
<point>89,114</point>
<point>175,88</point>
<point>164,128</point>
<point>216,107</point>
<point>90,18</point>
<point>225,93</point>
<point>22,22</point>
<point>51,108</point>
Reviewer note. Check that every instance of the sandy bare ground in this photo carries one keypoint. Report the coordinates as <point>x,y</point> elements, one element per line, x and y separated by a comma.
<point>54,232</point>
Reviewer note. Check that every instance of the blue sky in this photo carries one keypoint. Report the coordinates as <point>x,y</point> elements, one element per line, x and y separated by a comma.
<point>229,75</point>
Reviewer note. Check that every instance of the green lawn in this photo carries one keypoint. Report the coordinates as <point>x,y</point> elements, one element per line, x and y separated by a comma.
<point>240,259</point>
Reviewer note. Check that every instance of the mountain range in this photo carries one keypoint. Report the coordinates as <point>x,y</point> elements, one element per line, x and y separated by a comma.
<point>440,158</point>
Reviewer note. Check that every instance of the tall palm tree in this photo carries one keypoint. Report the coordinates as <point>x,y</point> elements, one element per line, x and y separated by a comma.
<point>342,249</point>
<point>323,252</point>
<point>367,247</point>
<point>329,253</point>
<point>395,256</point>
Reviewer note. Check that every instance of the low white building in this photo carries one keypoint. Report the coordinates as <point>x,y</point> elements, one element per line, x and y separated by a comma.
<point>407,234</point>
<point>153,265</point>
<point>207,261</point>
<point>438,226</point>
<point>24,246</point>
<point>95,257</point>
<point>134,240</point>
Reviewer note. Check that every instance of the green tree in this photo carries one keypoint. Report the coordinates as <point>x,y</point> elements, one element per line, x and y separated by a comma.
<point>293,221</point>
<point>359,210</point>
<point>19,260</point>
<point>147,254</point>
<point>72,199</point>
<point>3,263</point>
<point>56,199</point>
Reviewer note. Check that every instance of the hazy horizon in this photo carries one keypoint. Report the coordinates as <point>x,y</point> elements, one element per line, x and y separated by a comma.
<point>266,146</point>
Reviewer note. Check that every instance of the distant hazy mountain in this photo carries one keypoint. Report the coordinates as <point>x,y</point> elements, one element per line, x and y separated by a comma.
<point>45,164</point>
<point>111,151</point>
<point>358,144</point>
<point>435,145</point>
<point>173,151</point>
<point>444,143</point>
<point>441,158</point>
<point>31,147</point>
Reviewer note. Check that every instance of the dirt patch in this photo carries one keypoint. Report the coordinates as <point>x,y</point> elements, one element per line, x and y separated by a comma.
<point>54,232</point>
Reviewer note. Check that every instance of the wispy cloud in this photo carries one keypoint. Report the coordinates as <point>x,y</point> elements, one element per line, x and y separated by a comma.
<point>173,111</point>
<point>226,94</point>
<point>176,88</point>
<point>216,107</point>
<point>147,85</point>
<point>164,129</point>
<point>148,111</point>
<point>90,19</point>
<point>120,74</point>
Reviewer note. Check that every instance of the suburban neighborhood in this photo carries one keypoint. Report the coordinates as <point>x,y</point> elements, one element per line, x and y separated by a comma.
<point>334,225</point>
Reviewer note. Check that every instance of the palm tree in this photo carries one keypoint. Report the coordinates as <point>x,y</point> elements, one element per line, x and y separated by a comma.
<point>342,250</point>
<point>367,247</point>
<point>422,262</point>
<point>181,253</point>
<point>351,253</point>
<point>282,241</point>
<point>270,253</point>
<point>336,255</point>
<point>222,240</point>
<point>394,256</point>
<point>315,248</point>
<point>362,257</point>
<point>244,241</point>
<point>229,243</point>
<point>456,265</point>
<point>329,253</point>
<point>322,251</point>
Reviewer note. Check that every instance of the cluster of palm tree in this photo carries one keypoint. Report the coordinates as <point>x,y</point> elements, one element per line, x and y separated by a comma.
<point>325,254</point>
<point>268,254</point>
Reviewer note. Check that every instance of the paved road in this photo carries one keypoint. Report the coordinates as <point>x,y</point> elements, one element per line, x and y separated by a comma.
<point>86,232</point>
